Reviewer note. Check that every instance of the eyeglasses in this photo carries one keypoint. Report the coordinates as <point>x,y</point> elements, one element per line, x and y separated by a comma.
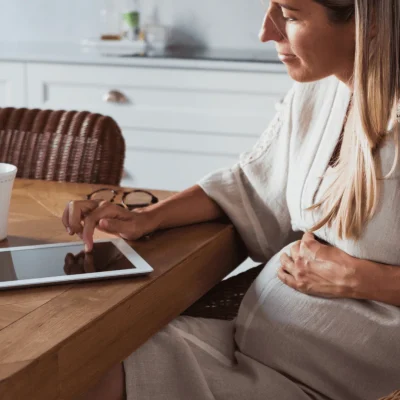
<point>130,200</point>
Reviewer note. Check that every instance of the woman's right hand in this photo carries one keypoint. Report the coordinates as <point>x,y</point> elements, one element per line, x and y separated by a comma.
<point>82,217</point>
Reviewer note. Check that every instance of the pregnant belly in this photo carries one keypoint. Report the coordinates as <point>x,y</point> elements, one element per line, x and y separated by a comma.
<point>333,346</point>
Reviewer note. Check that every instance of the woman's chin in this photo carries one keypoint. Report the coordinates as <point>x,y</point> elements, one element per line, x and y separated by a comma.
<point>296,74</point>
<point>299,74</point>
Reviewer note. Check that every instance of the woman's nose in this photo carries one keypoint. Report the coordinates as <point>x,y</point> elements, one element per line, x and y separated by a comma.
<point>269,29</point>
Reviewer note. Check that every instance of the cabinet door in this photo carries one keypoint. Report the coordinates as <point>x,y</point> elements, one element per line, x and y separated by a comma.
<point>12,84</point>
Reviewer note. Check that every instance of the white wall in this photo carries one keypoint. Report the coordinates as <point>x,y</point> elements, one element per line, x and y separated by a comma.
<point>209,23</point>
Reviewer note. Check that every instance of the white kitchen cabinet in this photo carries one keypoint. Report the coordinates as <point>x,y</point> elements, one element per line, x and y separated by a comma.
<point>12,84</point>
<point>178,124</point>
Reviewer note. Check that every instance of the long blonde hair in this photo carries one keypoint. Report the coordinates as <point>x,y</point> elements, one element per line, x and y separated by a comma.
<point>352,199</point>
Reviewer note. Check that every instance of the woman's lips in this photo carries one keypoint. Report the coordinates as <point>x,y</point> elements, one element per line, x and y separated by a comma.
<point>286,57</point>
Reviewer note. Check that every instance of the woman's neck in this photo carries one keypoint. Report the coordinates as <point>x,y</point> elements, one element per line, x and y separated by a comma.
<point>347,77</point>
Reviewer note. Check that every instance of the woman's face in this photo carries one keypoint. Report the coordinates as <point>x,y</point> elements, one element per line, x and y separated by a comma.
<point>310,46</point>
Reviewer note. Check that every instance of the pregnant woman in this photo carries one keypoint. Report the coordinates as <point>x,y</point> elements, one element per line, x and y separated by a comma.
<point>321,321</point>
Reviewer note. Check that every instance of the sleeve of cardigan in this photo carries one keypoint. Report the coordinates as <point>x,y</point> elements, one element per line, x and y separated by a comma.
<point>253,192</point>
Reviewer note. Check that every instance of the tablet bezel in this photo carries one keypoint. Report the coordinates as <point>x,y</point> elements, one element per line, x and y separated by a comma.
<point>141,266</point>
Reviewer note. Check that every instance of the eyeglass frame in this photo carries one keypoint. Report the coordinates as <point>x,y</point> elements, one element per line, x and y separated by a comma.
<point>130,207</point>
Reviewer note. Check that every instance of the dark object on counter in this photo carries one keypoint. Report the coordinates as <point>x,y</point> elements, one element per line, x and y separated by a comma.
<point>110,37</point>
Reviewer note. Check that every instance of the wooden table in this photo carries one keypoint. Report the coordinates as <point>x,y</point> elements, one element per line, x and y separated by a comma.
<point>57,341</point>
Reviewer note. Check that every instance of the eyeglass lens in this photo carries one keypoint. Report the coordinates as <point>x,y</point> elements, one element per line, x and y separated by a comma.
<point>137,198</point>
<point>106,195</point>
<point>131,198</point>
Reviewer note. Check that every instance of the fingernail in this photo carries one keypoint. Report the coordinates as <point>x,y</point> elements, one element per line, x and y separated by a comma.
<point>69,231</point>
<point>87,248</point>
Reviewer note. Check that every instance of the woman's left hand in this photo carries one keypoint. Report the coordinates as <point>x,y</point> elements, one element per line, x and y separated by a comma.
<point>317,269</point>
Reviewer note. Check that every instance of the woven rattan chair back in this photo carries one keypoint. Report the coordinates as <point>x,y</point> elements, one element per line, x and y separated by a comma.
<point>66,146</point>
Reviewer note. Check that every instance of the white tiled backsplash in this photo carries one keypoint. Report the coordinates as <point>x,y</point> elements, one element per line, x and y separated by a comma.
<point>209,23</point>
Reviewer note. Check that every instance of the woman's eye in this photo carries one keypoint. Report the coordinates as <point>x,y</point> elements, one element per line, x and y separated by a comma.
<point>287,19</point>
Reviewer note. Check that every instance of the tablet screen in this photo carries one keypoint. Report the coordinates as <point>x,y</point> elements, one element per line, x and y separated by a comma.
<point>61,261</point>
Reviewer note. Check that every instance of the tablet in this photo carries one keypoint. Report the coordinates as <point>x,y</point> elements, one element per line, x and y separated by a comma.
<point>52,264</point>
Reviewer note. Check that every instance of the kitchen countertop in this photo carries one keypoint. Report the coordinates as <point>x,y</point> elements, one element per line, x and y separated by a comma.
<point>192,58</point>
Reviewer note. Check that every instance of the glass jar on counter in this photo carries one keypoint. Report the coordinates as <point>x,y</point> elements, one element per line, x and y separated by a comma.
<point>155,33</point>
<point>110,20</point>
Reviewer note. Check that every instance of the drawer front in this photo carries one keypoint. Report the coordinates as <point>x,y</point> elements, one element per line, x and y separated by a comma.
<point>189,142</point>
<point>228,102</point>
<point>169,170</point>
<point>175,161</point>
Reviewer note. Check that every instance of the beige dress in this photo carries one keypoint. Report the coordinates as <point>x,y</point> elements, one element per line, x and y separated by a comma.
<point>285,345</point>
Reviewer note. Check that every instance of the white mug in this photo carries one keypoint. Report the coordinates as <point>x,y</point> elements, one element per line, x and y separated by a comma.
<point>8,173</point>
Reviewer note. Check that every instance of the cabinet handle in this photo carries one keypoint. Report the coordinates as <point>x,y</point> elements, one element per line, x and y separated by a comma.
<point>115,96</point>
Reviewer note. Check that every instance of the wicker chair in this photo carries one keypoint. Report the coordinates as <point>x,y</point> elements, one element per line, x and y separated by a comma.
<point>62,146</point>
